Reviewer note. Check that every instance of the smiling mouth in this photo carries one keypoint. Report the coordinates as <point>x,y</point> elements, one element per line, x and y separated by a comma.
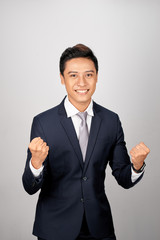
<point>82,91</point>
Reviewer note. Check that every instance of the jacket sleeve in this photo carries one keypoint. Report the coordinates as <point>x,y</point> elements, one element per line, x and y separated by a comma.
<point>31,183</point>
<point>120,161</point>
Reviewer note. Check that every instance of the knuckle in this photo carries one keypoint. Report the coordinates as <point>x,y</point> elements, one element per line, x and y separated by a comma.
<point>31,147</point>
<point>148,150</point>
<point>38,148</point>
<point>39,143</point>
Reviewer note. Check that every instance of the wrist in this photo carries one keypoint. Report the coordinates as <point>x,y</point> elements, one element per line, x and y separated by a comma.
<point>138,168</point>
<point>36,164</point>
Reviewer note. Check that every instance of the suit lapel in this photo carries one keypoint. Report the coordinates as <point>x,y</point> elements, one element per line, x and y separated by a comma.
<point>70,131</point>
<point>95,125</point>
<point>71,134</point>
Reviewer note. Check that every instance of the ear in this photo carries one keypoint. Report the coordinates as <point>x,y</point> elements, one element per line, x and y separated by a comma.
<point>62,79</point>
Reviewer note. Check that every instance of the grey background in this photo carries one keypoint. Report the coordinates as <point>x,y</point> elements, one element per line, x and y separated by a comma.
<point>125,37</point>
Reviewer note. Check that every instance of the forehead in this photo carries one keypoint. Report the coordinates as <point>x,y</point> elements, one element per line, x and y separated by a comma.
<point>80,65</point>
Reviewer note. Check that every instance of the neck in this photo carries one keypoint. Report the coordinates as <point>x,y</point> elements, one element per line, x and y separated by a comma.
<point>81,106</point>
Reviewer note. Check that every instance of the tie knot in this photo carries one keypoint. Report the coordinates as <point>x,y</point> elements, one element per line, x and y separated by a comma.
<point>82,115</point>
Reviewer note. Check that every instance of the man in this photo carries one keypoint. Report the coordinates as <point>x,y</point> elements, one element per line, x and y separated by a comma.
<point>71,145</point>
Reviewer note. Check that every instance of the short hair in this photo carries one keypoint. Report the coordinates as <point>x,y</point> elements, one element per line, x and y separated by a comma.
<point>77,51</point>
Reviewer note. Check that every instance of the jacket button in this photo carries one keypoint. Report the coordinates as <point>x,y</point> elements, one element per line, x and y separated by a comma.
<point>82,200</point>
<point>85,178</point>
<point>33,184</point>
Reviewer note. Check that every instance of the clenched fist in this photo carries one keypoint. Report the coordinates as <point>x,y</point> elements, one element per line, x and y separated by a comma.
<point>39,151</point>
<point>139,154</point>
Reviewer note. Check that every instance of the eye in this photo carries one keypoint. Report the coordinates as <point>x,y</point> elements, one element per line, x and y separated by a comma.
<point>73,75</point>
<point>89,75</point>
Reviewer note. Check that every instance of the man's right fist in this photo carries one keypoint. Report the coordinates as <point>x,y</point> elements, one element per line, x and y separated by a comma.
<point>39,151</point>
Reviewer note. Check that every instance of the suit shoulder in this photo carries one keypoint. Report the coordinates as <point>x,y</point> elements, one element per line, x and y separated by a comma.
<point>104,111</point>
<point>47,114</point>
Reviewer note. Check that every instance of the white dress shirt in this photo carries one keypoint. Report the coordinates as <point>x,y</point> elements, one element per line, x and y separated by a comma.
<point>71,112</point>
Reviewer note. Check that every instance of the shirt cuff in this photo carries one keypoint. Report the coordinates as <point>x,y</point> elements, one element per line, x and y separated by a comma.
<point>134,175</point>
<point>36,172</point>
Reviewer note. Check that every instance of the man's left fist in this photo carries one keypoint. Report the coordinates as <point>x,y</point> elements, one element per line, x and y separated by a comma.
<point>139,154</point>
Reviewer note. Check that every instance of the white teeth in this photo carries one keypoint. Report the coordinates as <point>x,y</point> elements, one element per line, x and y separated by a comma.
<point>81,91</point>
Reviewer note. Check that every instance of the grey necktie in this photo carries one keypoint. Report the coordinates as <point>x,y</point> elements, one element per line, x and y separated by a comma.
<point>83,133</point>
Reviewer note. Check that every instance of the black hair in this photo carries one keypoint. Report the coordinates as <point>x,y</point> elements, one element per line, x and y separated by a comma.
<point>77,51</point>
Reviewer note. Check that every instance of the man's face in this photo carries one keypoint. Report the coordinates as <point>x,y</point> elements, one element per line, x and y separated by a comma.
<point>80,80</point>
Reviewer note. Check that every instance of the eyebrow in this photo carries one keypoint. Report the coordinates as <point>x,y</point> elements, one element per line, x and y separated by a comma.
<point>77,72</point>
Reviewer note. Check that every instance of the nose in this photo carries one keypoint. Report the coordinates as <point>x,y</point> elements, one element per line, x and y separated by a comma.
<point>81,81</point>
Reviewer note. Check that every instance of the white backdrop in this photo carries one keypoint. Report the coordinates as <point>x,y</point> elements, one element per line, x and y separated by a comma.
<point>125,37</point>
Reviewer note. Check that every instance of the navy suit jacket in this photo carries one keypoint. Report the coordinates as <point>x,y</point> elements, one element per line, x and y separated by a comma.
<point>69,186</point>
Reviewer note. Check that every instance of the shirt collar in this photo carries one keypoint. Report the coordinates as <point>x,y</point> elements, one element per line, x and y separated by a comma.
<point>71,110</point>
